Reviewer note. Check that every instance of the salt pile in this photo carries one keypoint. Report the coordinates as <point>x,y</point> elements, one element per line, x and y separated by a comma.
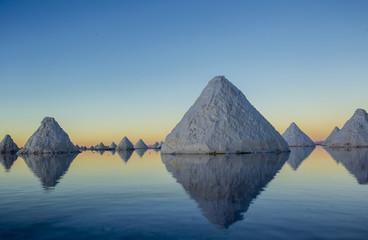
<point>296,137</point>
<point>140,144</point>
<point>125,144</point>
<point>49,138</point>
<point>155,145</point>
<point>331,136</point>
<point>7,145</point>
<point>354,133</point>
<point>222,120</point>
<point>101,146</point>
<point>112,146</point>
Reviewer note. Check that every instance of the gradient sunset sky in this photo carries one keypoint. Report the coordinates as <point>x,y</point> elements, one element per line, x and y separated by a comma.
<point>109,69</point>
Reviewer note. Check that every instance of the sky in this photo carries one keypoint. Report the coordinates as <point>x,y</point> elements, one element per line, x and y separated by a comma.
<point>109,69</point>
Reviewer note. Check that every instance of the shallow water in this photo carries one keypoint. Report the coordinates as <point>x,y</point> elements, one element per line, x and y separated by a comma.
<point>307,194</point>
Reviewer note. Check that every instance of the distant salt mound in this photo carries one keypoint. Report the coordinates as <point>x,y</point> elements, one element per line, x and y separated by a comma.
<point>49,138</point>
<point>223,121</point>
<point>296,137</point>
<point>7,145</point>
<point>140,144</point>
<point>112,146</point>
<point>354,133</point>
<point>155,145</point>
<point>331,136</point>
<point>101,146</point>
<point>125,144</point>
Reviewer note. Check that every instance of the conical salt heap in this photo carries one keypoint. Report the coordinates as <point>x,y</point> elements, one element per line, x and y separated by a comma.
<point>112,146</point>
<point>296,137</point>
<point>125,144</point>
<point>49,138</point>
<point>331,136</point>
<point>7,145</point>
<point>155,145</point>
<point>354,133</point>
<point>223,121</point>
<point>140,144</point>
<point>101,146</point>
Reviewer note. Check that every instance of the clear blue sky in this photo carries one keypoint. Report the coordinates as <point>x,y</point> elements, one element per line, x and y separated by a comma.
<point>106,69</point>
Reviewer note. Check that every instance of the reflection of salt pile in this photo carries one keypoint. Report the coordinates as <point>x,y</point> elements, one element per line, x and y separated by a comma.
<point>125,144</point>
<point>140,144</point>
<point>225,185</point>
<point>355,160</point>
<point>140,151</point>
<point>125,154</point>
<point>296,137</point>
<point>49,138</point>
<point>298,155</point>
<point>7,145</point>
<point>331,136</point>
<point>223,121</point>
<point>7,160</point>
<point>354,133</point>
<point>49,167</point>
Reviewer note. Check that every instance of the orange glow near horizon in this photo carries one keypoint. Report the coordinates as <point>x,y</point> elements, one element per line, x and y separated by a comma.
<point>84,137</point>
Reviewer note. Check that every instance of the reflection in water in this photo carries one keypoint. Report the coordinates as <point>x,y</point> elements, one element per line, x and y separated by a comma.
<point>355,160</point>
<point>225,185</point>
<point>298,155</point>
<point>125,154</point>
<point>101,152</point>
<point>49,167</point>
<point>140,151</point>
<point>7,160</point>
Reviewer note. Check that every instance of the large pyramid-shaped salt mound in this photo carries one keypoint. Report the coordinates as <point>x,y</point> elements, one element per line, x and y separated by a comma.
<point>7,145</point>
<point>49,138</point>
<point>140,144</point>
<point>354,133</point>
<point>125,144</point>
<point>331,136</point>
<point>296,137</point>
<point>223,121</point>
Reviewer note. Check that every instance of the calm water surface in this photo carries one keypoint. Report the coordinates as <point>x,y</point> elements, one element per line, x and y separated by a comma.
<point>307,194</point>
